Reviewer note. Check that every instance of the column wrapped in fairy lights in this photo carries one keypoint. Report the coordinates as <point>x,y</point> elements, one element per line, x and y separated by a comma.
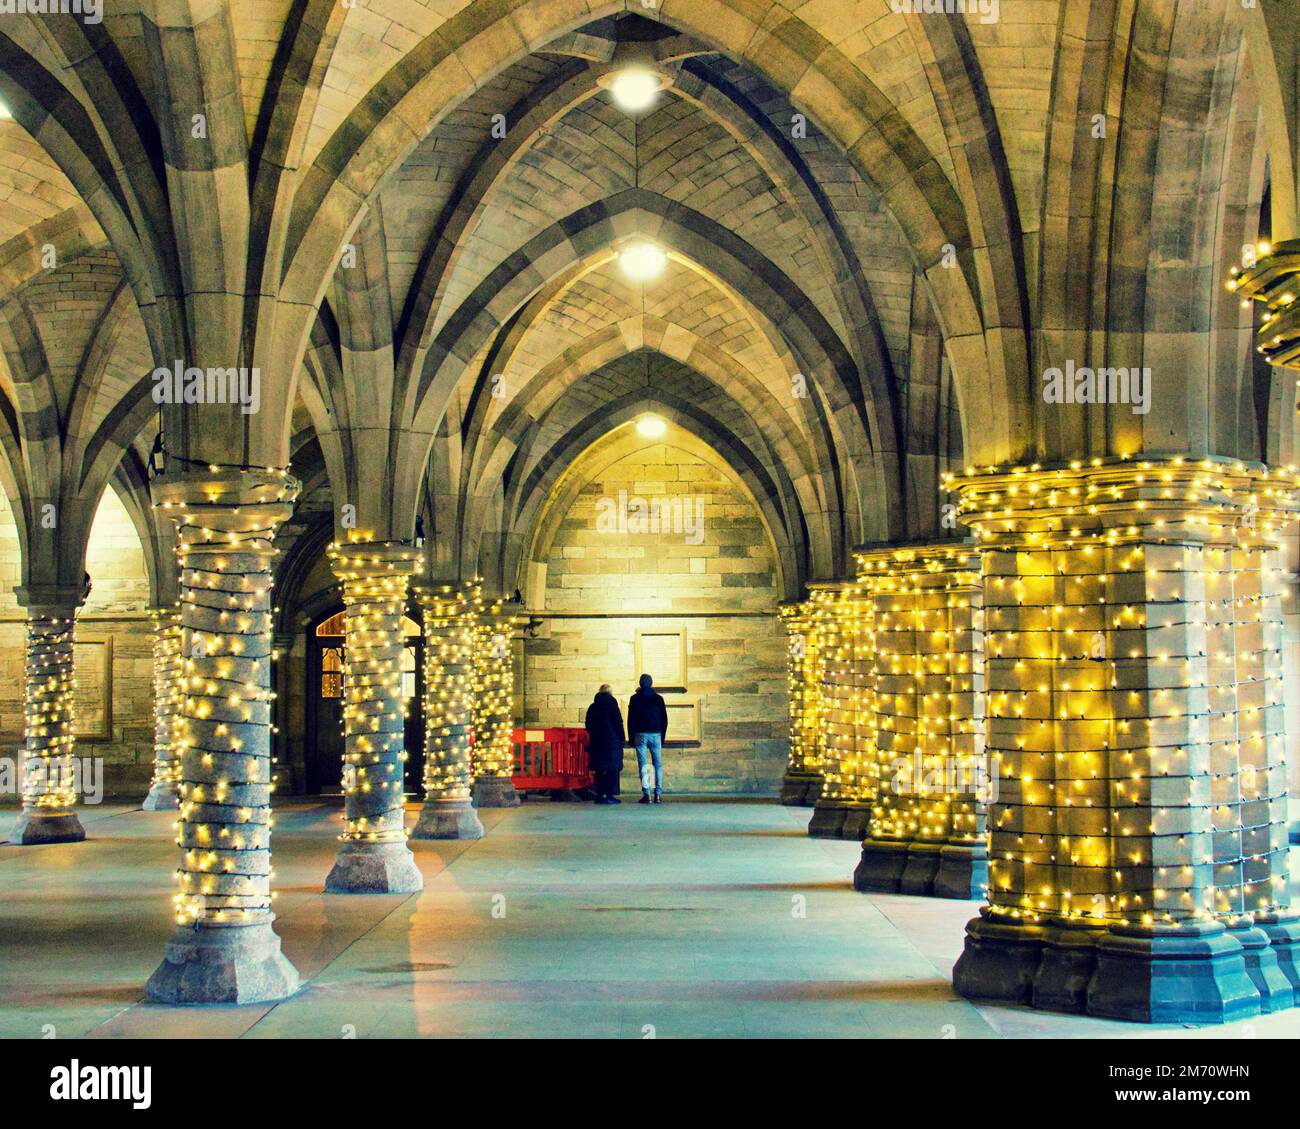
<point>803,778</point>
<point>450,616</point>
<point>927,828</point>
<point>49,812</point>
<point>164,791</point>
<point>225,949</point>
<point>492,754</point>
<point>374,856</point>
<point>1137,861</point>
<point>846,709</point>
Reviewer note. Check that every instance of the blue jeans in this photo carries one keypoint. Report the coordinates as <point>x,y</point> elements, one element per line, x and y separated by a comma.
<point>653,744</point>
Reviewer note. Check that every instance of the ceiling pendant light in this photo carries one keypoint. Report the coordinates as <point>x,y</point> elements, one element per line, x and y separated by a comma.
<point>642,261</point>
<point>634,89</point>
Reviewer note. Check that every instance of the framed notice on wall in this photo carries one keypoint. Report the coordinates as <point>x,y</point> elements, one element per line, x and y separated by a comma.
<point>93,703</point>
<point>683,721</point>
<point>661,653</point>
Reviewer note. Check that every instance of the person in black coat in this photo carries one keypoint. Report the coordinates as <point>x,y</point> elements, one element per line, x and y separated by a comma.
<point>605,744</point>
<point>647,726</point>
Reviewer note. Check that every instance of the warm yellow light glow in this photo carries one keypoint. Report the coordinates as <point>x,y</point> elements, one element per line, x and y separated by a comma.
<point>651,427</point>
<point>636,89</point>
<point>642,262</point>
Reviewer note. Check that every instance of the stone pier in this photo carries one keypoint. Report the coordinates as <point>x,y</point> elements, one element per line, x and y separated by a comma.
<point>164,790</point>
<point>49,775</point>
<point>492,754</point>
<point>927,829</point>
<point>450,614</point>
<point>802,783</point>
<point>374,857</point>
<point>225,949</point>
<point>1138,838</point>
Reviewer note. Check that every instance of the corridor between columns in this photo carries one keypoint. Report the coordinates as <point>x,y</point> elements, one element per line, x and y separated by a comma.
<point>685,918</point>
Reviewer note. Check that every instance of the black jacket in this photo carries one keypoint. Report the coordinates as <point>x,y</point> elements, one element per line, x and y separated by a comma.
<point>646,713</point>
<point>605,734</point>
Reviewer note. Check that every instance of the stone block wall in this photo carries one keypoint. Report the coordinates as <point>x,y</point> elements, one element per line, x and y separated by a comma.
<point>604,582</point>
<point>115,612</point>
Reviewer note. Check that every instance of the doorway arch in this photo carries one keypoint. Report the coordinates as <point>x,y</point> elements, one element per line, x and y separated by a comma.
<point>326,663</point>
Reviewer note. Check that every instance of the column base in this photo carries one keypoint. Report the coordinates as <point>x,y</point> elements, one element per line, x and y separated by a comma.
<point>374,868</point>
<point>32,829</point>
<point>223,965</point>
<point>1276,992</point>
<point>1068,960</point>
<point>1192,973</point>
<point>1283,931</point>
<point>857,823</point>
<point>921,869</point>
<point>448,819</point>
<point>827,820</point>
<point>162,797</point>
<point>1000,960</point>
<point>880,870</point>
<point>963,872</point>
<point>495,792</point>
<point>800,789</point>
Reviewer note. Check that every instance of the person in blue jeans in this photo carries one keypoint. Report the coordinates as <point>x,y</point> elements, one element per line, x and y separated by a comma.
<point>647,726</point>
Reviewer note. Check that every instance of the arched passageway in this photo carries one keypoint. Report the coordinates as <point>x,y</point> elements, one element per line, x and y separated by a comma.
<point>867,376</point>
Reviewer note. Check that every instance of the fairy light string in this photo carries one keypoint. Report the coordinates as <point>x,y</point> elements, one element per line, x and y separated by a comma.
<point>225,522</point>
<point>450,621</point>
<point>374,576</point>
<point>492,754</point>
<point>1134,695</point>
<point>803,674</point>
<point>927,665</point>
<point>168,691</point>
<point>49,785</point>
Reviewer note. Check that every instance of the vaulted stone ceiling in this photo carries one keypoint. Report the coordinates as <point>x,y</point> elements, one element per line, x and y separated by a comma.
<point>392,206</point>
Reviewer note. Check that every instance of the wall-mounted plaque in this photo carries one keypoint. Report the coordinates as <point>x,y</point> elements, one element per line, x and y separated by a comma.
<point>93,702</point>
<point>662,655</point>
<point>683,721</point>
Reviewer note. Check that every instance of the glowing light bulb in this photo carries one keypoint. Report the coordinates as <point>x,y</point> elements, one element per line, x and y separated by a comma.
<point>642,262</point>
<point>651,427</point>
<point>635,89</point>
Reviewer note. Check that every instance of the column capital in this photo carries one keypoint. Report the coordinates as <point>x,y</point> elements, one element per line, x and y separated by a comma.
<point>1171,499</point>
<point>51,599</point>
<point>227,499</point>
<point>374,560</point>
<point>1274,281</point>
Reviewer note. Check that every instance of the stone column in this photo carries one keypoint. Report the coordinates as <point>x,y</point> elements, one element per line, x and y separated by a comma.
<point>225,949</point>
<point>49,813</point>
<point>846,710</point>
<point>1137,855</point>
<point>927,829</point>
<point>374,857</point>
<point>449,618</point>
<point>494,689</point>
<point>164,791</point>
<point>803,779</point>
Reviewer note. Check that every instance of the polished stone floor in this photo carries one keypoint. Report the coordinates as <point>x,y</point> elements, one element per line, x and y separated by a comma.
<point>690,919</point>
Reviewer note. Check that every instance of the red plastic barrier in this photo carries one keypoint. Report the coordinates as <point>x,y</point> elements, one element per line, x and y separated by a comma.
<point>551,758</point>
